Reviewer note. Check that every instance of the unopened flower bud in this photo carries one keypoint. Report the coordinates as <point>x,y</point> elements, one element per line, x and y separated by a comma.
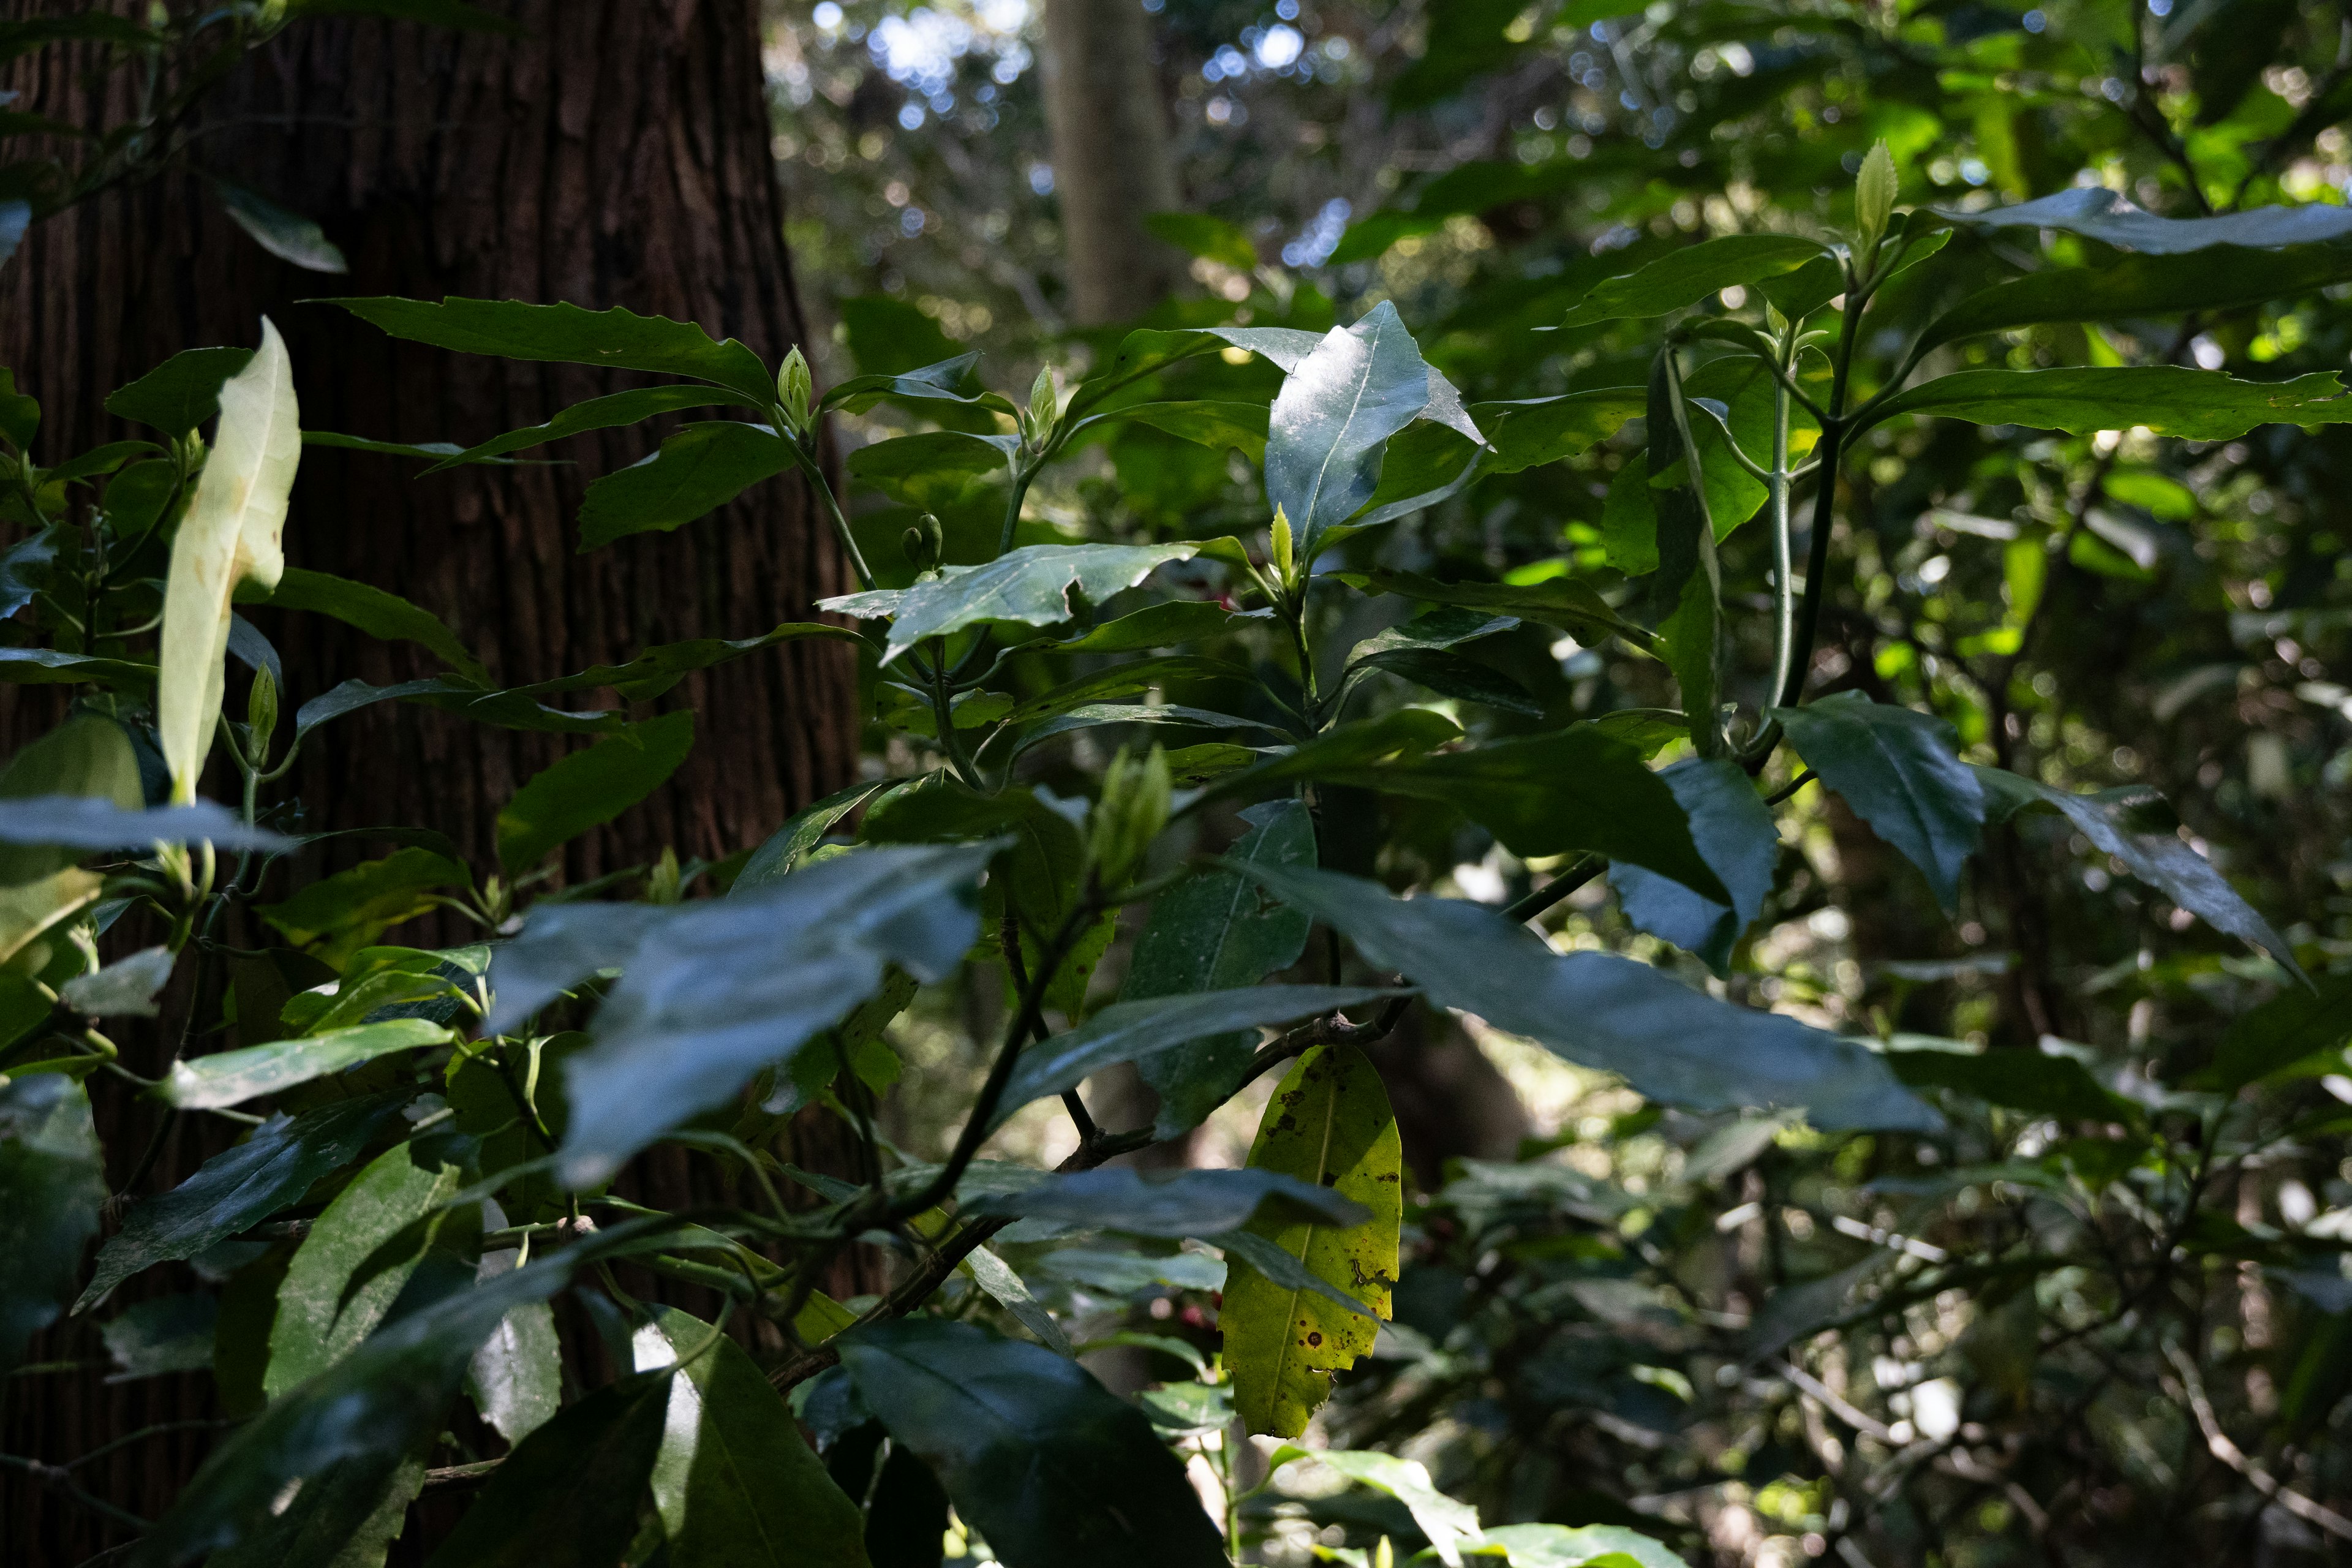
<point>1130,813</point>
<point>261,715</point>
<point>794,390</point>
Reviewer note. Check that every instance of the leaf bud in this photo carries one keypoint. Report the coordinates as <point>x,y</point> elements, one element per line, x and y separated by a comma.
<point>261,716</point>
<point>1873,200</point>
<point>1043,405</point>
<point>1130,813</point>
<point>794,390</point>
<point>1286,554</point>
<point>924,543</point>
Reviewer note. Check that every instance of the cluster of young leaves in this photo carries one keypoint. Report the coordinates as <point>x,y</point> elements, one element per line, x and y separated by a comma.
<point>450,1185</point>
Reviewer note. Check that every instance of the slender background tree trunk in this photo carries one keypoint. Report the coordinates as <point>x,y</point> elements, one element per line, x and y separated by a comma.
<point>616,156</point>
<point>1111,161</point>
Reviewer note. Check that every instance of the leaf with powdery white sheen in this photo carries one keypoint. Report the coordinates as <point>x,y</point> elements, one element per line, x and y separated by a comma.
<point>616,338</point>
<point>2096,213</point>
<point>591,787</point>
<point>52,1182</point>
<point>1333,417</point>
<point>1186,1202</point>
<point>1671,1043</point>
<point>713,992</point>
<point>2170,400</point>
<point>1031,586</point>
<point>1053,1469</point>
<point>697,470</point>
<point>2136,825</point>
<point>734,1482</point>
<point>232,1078</point>
<point>569,1491</point>
<point>1127,1031</point>
<point>1559,1546</point>
<point>1327,1125</point>
<point>236,1190</point>
<point>1690,275</point>
<point>1899,771</point>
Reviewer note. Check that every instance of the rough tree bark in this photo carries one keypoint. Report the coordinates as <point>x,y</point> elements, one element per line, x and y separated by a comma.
<point>616,156</point>
<point>1111,161</point>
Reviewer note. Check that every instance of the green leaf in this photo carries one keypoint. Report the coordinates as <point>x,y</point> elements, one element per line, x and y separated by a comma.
<point>288,235</point>
<point>569,1491</point>
<point>657,669</point>
<point>232,1078</point>
<point>515,1377</point>
<point>338,915</point>
<point>2022,1080</point>
<point>1559,1546</point>
<point>590,788</point>
<point>789,845</point>
<point>2285,1030</point>
<point>617,339</point>
<point>1214,931</point>
<point>1132,1031</point>
<point>50,666</point>
<point>622,408</point>
<point>1327,1125</point>
<point>29,910</point>
<point>182,392</point>
<point>345,1517</point>
<point>160,1336</point>
<point>2097,213</point>
<point>1051,1467</point>
<point>2136,825</point>
<point>1577,788</point>
<point>1531,432</point>
<point>1448,1525</point>
<point>505,709</point>
<point>384,615</point>
<point>1689,275</point>
<point>52,1182</point>
<point>1733,829</point>
<point>1172,1205</point>
<point>234,1192</point>
<point>1564,601</point>
<point>1668,1041</point>
<point>1030,586</point>
<point>1211,238</point>
<point>376,1405</point>
<point>355,1260</point>
<point>698,469</point>
<point>1206,423</point>
<point>1010,1291</point>
<point>1156,626</point>
<point>734,1483</point>
<point>85,822</point>
<point>931,384</point>
<point>1899,772</point>
<point>2218,277</point>
<point>713,992</point>
<point>86,757</point>
<point>1689,590</point>
<point>2196,405</point>
<point>1333,417</point>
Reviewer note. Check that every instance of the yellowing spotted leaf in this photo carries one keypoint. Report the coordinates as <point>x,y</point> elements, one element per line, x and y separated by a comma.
<point>1330,1123</point>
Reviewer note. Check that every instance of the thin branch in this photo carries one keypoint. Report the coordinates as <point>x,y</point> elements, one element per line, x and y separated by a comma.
<point>2218,1444</point>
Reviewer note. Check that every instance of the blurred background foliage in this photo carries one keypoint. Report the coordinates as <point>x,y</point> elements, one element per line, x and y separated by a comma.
<point>2101,1331</point>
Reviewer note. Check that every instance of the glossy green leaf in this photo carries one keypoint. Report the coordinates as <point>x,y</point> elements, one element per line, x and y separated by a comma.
<point>50,666</point>
<point>590,788</point>
<point>616,339</point>
<point>789,845</point>
<point>1333,417</point>
<point>346,1516</point>
<point>1181,1204</point>
<point>340,1286</point>
<point>336,916</point>
<point>384,615</point>
<point>1561,1546</point>
<point>1214,932</point>
<point>2097,213</point>
<point>1689,275</point>
<point>1898,770</point>
<point>2022,1080</point>
<point>1052,1469</point>
<point>1733,829</point>
<point>622,408</point>
<point>85,756</point>
<point>285,233</point>
<point>1529,432</point>
<point>515,1377</point>
<point>182,392</point>
<point>1132,1031</point>
<point>1566,602</point>
<point>1010,1291</point>
<point>2137,826</point>
<point>1156,626</point>
<point>2216,278</point>
<point>697,469</point>
<point>1577,788</point>
<point>569,1490</point>
<point>462,698</point>
<point>1030,586</point>
<point>1668,1041</point>
<point>1329,1125</point>
<point>52,1182</point>
<point>1448,1525</point>
<point>1207,424</point>
<point>735,1484</point>
<point>713,992</point>
<point>2196,404</point>
<point>1125,680</point>
<point>937,382</point>
<point>235,1191</point>
<point>232,1078</point>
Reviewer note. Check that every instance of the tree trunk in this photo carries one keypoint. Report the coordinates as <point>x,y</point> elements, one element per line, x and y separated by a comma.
<point>1111,161</point>
<point>617,155</point>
